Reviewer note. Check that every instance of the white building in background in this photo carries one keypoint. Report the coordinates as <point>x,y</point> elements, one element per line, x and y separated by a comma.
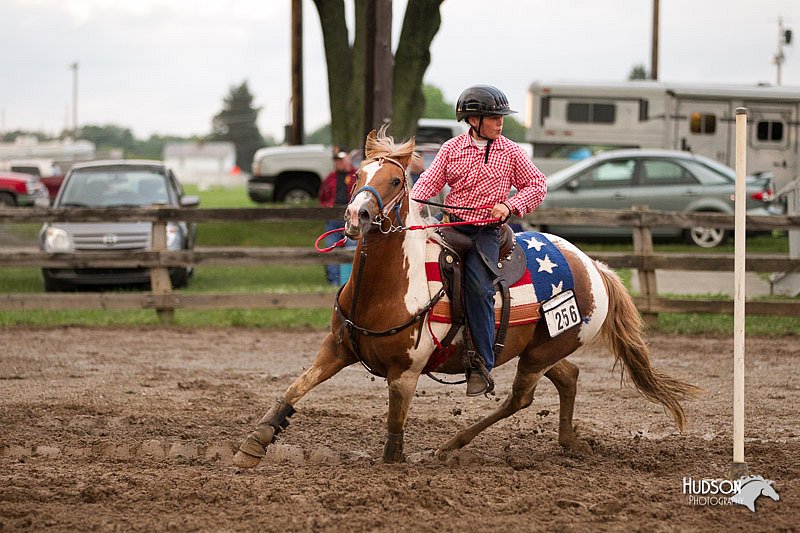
<point>204,164</point>
<point>50,157</point>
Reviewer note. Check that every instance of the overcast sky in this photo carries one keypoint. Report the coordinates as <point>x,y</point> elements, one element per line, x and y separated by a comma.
<point>164,66</point>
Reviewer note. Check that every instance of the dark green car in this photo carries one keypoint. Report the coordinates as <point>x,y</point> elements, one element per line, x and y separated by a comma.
<point>663,180</point>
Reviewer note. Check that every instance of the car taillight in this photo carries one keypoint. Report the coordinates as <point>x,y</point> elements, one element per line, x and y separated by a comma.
<point>766,195</point>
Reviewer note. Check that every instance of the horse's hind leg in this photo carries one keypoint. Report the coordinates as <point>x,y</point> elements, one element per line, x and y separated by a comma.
<point>521,396</point>
<point>564,376</point>
<point>401,390</point>
<point>330,360</point>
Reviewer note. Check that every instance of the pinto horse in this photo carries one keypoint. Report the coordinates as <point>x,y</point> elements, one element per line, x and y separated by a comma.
<point>379,316</point>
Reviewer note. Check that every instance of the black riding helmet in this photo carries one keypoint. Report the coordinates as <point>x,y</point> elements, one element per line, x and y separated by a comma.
<point>481,101</point>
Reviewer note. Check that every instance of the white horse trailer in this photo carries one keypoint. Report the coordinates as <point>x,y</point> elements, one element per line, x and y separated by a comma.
<point>568,121</point>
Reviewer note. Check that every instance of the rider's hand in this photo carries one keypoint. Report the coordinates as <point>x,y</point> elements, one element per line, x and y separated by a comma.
<point>501,211</point>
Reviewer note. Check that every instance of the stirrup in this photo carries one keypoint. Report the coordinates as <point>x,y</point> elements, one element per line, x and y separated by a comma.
<point>479,381</point>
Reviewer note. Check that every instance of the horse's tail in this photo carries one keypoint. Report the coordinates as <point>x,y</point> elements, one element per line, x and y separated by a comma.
<point>622,333</point>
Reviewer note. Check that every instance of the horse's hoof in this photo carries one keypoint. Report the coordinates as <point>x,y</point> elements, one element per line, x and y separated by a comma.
<point>578,446</point>
<point>245,460</point>
<point>393,449</point>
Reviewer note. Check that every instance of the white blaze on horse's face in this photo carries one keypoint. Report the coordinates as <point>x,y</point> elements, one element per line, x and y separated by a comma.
<point>361,202</point>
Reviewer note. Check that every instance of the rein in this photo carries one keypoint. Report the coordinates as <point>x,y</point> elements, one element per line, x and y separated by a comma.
<point>384,209</point>
<point>354,330</point>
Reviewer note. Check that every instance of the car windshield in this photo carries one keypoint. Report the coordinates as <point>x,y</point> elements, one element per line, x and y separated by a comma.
<point>115,188</point>
<point>728,172</point>
<point>557,178</point>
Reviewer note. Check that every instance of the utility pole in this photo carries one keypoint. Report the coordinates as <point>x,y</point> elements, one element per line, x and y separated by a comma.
<point>74,68</point>
<point>654,47</point>
<point>784,37</point>
<point>379,65</point>
<point>297,72</point>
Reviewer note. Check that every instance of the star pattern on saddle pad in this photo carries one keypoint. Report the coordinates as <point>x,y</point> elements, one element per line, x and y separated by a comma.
<point>533,242</point>
<point>557,289</point>
<point>545,265</point>
<point>548,267</point>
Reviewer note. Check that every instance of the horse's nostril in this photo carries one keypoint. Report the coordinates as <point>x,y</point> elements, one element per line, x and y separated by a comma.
<point>363,215</point>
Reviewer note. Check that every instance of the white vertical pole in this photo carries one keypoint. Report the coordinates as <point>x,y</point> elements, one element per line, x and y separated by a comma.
<point>739,467</point>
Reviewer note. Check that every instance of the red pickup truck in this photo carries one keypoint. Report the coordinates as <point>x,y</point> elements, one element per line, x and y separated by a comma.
<point>17,189</point>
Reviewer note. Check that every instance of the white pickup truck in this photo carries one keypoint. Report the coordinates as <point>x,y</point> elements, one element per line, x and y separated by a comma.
<point>294,173</point>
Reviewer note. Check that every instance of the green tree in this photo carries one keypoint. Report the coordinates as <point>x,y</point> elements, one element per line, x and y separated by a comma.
<point>108,136</point>
<point>435,104</point>
<point>321,135</point>
<point>345,64</point>
<point>513,129</point>
<point>639,72</point>
<point>11,136</point>
<point>237,123</point>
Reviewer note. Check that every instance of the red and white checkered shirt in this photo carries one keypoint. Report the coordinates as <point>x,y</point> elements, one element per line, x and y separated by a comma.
<point>460,164</point>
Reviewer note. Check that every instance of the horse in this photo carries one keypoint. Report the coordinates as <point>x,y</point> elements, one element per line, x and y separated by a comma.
<point>379,314</point>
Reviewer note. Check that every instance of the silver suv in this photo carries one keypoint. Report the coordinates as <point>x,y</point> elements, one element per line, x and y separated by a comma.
<point>127,183</point>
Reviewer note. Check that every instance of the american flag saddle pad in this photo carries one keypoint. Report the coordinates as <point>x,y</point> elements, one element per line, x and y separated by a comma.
<point>546,275</point>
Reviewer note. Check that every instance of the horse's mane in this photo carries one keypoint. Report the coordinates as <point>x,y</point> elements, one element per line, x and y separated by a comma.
<point>383,145</point>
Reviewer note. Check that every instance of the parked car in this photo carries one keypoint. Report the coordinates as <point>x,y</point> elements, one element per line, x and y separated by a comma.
<point>664,180</point>
<point>18,189</point>
<point>48,172</point>
<point>293,174</point>
<point>102,184</point>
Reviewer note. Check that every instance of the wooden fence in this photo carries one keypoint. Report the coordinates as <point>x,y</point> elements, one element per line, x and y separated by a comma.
<point>165,301</point>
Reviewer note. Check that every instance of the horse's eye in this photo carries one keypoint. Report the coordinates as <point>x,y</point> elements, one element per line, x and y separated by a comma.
<point>396,182</point>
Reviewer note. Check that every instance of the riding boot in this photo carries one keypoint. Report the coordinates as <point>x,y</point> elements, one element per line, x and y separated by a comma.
<point>479,380</point>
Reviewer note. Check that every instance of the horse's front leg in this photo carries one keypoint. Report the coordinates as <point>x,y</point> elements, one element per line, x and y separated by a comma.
<point>330,360</point>
<point>402,385</point>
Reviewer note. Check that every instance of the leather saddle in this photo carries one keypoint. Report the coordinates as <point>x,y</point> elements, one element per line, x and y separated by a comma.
<point>507,271</point>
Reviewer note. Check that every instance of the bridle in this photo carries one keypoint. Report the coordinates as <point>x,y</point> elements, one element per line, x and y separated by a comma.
<point>384,210</point>
<point>395,203</point>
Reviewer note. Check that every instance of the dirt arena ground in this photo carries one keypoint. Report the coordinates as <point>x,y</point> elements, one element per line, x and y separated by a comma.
<point>134,429</point>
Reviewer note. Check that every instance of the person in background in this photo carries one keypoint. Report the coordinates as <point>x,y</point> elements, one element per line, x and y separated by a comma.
<point>481,166</point>
<point>335,192</point>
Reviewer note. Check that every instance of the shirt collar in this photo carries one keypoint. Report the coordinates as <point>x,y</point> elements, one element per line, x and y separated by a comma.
<point>466,142</point>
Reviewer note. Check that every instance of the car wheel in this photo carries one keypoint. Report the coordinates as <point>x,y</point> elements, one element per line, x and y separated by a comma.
<point>706,237</point>
<point>7,200</point>
<point>180,277</point>
<point>296,195</point>
<point>51,285</point>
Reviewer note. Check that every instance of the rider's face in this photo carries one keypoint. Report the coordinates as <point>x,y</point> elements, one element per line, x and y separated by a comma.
<point>491,127</point>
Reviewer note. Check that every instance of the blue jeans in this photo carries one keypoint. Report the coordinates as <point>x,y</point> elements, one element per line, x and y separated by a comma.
<point>479,289</point>
<point>332,270</point>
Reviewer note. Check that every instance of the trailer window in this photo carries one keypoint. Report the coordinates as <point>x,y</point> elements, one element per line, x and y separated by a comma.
<point>591,113</point>
<point>703,123</point>
<point>769,130</point>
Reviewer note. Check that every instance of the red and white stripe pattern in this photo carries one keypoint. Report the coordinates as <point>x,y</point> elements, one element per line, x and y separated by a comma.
<point>524,304</point>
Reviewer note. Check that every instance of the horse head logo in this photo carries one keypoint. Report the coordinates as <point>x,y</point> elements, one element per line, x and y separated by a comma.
<point>752,488</point>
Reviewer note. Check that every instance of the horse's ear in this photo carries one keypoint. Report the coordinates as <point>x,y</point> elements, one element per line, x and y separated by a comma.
<point>369,146</point>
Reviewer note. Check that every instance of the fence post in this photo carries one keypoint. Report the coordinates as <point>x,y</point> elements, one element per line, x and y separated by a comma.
<point>159,277</point>
<point>643,244</point>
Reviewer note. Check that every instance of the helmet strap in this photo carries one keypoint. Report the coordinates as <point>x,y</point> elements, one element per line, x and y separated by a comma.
<point>478,130</point>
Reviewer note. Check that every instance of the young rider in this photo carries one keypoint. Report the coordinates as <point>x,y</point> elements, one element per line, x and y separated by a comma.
<point>480,167</point>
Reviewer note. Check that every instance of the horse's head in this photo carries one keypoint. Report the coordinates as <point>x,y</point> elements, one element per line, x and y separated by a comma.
<point>381,186</point>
